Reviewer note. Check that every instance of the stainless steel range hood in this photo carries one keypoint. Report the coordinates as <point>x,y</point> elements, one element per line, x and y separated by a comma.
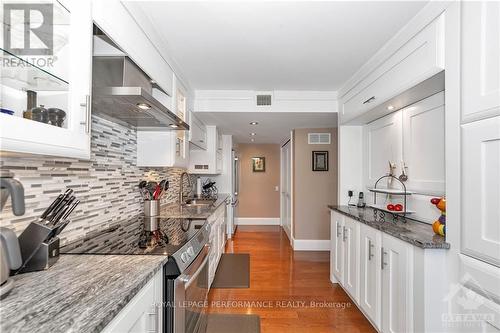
<point>123,92</point>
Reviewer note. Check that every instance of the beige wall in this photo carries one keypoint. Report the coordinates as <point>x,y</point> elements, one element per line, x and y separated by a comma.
<point>313,190</point>
<point>257,196</point>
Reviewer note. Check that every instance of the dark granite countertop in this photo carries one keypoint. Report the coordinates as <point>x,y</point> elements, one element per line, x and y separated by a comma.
<point>414,232</point>
<point>80,293</point>
<point>176,211</point>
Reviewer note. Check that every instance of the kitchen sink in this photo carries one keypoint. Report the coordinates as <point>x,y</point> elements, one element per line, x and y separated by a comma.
<point>198,202</point>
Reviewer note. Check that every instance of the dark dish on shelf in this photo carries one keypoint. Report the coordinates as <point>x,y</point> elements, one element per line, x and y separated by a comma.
<point>56,116</point>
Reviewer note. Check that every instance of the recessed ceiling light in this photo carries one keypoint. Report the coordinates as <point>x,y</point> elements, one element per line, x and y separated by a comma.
<point>173,125</point>
<point>254,123</point>
<point>253,134</point>
<point>143,106</point>
<point>252,140</point>
<point>390,107</point>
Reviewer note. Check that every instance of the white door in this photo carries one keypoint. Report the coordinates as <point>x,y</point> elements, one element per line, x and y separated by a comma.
<point>337,222</point>
<point>480,65</point>
<point>382,143</point>
<point>423,136</point>
<point>61,80</point>
<point>370,273</point>
<point>396,263</point>
<point>481,190</point>
<point>286,202</point>
<point>350,237</point>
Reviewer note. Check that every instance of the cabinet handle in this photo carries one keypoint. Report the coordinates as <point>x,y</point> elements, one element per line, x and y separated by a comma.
<point>155,321</point>
<point>87,114</point>
<point>338,231</point>
<point>369,100</point>
<point>382,254</point>
<point>343,234</point>
<point>370,245</point>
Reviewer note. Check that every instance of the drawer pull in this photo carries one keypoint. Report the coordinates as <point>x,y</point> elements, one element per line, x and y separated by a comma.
<point>370,245</point>
<point>369,100</point>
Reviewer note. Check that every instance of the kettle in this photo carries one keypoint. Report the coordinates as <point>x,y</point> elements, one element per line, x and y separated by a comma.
<point>10,259</point>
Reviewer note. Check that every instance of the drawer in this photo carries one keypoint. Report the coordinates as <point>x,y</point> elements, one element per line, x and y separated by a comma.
<point>419,59</point>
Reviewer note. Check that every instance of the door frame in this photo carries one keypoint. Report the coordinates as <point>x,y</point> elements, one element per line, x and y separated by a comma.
<point>283,160</point>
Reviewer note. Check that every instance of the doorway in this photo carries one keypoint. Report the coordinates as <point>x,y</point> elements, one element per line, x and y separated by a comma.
<point>286,189</point>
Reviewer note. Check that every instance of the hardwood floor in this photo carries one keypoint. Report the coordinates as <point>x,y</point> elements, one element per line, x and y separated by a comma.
<point>285,284</point>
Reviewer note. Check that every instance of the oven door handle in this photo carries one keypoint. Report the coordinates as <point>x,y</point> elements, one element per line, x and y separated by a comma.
<point>188,279</point>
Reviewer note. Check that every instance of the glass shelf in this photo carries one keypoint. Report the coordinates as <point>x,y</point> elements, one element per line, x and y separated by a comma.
<point>23,75</point>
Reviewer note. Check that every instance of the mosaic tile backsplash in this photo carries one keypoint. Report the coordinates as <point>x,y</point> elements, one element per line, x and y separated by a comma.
<point>106,185</point>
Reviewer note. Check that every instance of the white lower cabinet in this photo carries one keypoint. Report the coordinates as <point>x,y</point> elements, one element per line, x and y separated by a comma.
<point>370,294</point>
<point>376,270</point>
<point>144,312</point>
<point>395,263</point>
<point>350,237</point>
<point>217,239</point>
<point>337,221</point>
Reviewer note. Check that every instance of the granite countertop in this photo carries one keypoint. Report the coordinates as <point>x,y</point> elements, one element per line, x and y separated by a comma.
<point>80,293</point>
<point>414,232</point>
<point>176,211</point>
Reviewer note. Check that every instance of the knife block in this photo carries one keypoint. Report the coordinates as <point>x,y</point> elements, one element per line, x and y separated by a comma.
<point>39,249</point>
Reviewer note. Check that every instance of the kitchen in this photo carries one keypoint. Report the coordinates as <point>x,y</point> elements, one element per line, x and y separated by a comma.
<point>147,160</point>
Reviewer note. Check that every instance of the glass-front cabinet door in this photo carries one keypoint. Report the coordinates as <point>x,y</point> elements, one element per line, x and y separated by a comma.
<point>45,78</point>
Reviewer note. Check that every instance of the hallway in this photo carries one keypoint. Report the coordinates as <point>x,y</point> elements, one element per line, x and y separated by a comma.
<point>290,291</point>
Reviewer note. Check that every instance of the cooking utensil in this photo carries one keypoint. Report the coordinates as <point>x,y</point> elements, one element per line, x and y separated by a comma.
<point>403,177</point>
<point>40,114</point>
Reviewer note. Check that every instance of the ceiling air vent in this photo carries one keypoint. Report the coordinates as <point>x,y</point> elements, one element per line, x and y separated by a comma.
<point>263,100</point>
<point>319,138</point>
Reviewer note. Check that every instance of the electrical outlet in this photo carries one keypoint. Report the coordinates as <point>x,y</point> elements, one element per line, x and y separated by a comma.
<point>350,193</point>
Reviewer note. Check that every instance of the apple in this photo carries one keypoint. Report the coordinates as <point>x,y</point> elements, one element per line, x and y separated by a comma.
<point>435,201</point>
<point>390,207</point>
<point>398,207</point>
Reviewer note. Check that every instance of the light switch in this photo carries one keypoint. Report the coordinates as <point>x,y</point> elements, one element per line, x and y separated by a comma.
<point>276,188</point>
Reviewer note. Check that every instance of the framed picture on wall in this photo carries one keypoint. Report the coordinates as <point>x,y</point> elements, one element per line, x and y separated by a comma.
<point>258,164</point>
<point>320,161</point>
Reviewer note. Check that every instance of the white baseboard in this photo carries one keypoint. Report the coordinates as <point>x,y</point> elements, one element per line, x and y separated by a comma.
<point>311,244</point>
<point>257,221</point>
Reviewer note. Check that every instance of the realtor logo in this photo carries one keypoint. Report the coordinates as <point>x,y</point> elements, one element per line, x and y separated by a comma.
<point>29,28</point>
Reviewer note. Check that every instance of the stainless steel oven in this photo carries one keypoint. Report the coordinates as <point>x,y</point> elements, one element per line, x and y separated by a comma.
<point>187,296</point>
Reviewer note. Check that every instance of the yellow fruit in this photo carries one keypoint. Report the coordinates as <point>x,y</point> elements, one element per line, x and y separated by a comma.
<point>441,229</point>
<point>435,226</point>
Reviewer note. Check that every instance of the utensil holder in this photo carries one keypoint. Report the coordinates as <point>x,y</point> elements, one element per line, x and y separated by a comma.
<point>151,208</point>
<point>39,249</point>
<point>151,223</point>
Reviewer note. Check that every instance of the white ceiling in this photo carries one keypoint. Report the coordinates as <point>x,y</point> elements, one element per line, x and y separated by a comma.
<point>273,127</point>
<point>274,45</point>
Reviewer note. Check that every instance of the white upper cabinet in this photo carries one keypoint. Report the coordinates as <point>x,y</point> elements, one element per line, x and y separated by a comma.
<point>382,143</point>
<point>60,82</point>
<point>480,59</point>
<point>197,133</point>
<point>114,19</point>
<point>418,59</point>
<point>166,148</point>
<point>412,137</point>
<point>208,161</point>
<point>423,145</point>
<point>481,190</point>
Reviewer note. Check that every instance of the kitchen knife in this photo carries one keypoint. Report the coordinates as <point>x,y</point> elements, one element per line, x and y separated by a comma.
<point>60,204</point>
<point>65,222</point>
<point>51,207</point>
<point>57,216</point>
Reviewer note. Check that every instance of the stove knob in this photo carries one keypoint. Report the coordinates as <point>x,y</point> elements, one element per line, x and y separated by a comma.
<point>184,257</point>
<point>190,251</point>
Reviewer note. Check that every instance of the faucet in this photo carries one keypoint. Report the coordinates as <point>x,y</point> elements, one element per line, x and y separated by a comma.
<point>181,187</point>
<point>9,185</point>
